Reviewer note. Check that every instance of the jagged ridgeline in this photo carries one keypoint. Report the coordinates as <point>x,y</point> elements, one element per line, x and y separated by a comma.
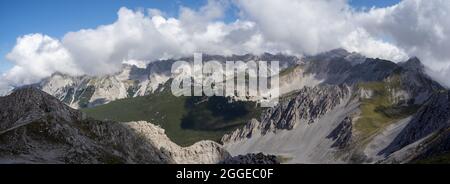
<point>336,107</point>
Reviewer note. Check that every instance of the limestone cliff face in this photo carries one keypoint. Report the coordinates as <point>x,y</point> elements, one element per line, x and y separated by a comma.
<point>308,106</point>
<point>89,91</point>
<point>36,128</point>
<point>300,128</point>
<point>203,152</point>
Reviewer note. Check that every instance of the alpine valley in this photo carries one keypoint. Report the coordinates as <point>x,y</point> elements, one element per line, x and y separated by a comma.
<point>335,107</point>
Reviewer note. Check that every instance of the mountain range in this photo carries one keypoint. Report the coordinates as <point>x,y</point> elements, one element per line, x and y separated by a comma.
<point>336,107</point>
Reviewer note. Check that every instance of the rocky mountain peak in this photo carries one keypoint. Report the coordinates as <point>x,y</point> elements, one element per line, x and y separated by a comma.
<point>338,55</point>
<point>339,52</point>
<point>29,104</point>
<point>413,64</point>
<point>332,54</point>
<point>32,98</point>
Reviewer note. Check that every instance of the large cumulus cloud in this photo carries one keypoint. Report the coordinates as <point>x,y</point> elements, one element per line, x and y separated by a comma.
<point>138,35</point>
<point>135,37</point>
<point>410,28</point>
<point>37,56</point>
<point>311,26</point>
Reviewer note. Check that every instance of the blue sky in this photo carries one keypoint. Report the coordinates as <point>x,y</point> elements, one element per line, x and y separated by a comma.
<point>57,17</point>
<point>373,3</point>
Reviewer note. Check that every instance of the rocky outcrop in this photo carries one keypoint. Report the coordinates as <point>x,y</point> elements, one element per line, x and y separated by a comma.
<point>341,67</point>
<point>306,107</point>
<point>29,104</point>
<point>253,127</point>
<point>416,82</point>
<point>203,152</point>
<point>36,128</point>
<point>252,158</point>
<point>342,134</point>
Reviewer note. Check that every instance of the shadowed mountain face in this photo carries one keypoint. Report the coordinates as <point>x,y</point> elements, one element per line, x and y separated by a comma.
<point>216,113</point>
<point>37,128</point>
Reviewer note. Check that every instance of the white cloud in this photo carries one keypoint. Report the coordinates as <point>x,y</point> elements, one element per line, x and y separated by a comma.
<point>420,27</point>
<point>102,50</point>
<point>410,28</point>
<point>302,26</point>
<point>413,27</point>
<point>134,36</point>
<point>137,63</point>
<point>36,56</point>
<point>5,88</point>
<point>360,41</point>
<point>137,36</point>
<point>311,26</point>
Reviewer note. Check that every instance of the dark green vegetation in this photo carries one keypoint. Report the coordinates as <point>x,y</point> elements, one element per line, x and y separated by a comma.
<point>216,113</point>
<point>185,119</point>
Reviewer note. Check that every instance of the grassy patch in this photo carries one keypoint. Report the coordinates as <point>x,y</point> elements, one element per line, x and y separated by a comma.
<point>381,109</point>
<point>217,113</point>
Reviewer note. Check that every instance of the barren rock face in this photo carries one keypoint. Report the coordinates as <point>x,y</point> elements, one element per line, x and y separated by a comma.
<point>252,158</point>
<point>37,128</point>
<point>205,152</point>
<point>342,134</point>
<point>30,104</point>
<point>309,105</point>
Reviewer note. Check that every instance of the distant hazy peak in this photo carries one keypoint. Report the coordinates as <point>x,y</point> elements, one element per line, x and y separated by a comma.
<point>413,64</point>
